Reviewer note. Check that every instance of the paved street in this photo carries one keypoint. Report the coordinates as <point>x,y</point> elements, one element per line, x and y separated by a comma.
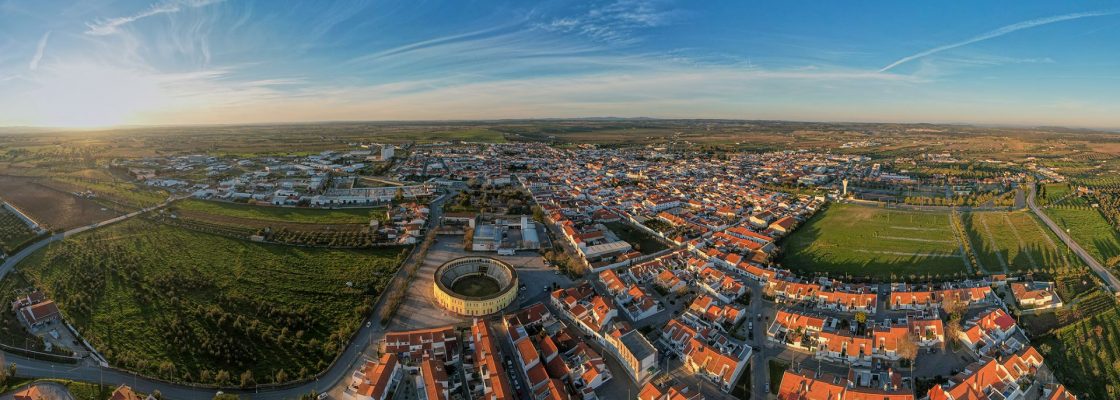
<point>1101,271</point>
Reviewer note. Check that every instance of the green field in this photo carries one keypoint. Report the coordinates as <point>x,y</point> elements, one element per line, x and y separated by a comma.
<point>13,231</point>
<point>1086,355</point>
<point>640,240</point>
<point>282,214</point>
<point>874,242</point>
<point>1089,228</point>
<point>1015,241</point>
<point>189,306</point>
<point>1055,192</point>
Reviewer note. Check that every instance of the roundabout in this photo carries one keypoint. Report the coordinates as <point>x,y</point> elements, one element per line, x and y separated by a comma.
<point>475,286</point>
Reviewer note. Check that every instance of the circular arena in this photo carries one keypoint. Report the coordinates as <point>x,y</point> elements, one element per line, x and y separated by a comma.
<point>475,285</point>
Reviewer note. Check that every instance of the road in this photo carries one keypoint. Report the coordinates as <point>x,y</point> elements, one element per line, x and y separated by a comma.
<point>1106,275</point>
<point>16,258</point>
<point>355,351</point>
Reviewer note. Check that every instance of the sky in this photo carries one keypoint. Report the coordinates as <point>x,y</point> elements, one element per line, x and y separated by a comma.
<point>94,63</point>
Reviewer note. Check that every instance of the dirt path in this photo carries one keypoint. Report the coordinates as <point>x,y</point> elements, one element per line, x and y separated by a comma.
<point>916,228</point>
<point>913,239</point>
<point>903,253</point>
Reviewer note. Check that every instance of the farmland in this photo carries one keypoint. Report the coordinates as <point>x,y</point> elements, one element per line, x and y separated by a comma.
<point>281,214</point>
<point>1015,242</point>
<point>194,307</point>
<point>1089,228</point>
<point>301,226</point>
<point>124,195</point>
<point>52,208</point>
<point>1086,355</point>
<point>13,231</point>
<point>862,241</point>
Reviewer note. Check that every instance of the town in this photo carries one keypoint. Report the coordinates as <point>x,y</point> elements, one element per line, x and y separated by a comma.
<point>530,270</point>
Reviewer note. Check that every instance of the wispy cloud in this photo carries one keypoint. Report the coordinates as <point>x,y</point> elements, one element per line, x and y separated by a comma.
<point>614,22</point>
<point>997,33</point>
<point>34,64</point>
<point>111,25</point>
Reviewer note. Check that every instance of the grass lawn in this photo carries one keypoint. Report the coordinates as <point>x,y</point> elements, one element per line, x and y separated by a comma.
<point>1015,239</point>
<point>1086,355</point>
<point>282,214</point>
<point>1089,228</point>
<point>874,242</point>
<point>642,241</point>
<point>13,231</point>
<point>777,369</point>
<point>189,306</point>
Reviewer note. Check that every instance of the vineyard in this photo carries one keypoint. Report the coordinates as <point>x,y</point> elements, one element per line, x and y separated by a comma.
<point>194,307</point>
<point>1082,295</point>
<point>336,236</point>
<point>13,231</point>
<point>1089,228</point>
<point>1086,355</point>
<point>281,214</point>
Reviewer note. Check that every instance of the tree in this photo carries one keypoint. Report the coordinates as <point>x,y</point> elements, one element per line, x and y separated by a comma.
<point>908,349</point>
<point>222,377</point>
<point>954,307</point>
<point>399,196</point>
<point>247,379</point>
<point>861,318</point>
<point>281,376</point>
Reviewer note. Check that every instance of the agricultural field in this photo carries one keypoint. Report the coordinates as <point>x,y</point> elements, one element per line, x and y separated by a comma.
<point>51,208</point>
<point>1086,355</point>
<point>280,214</point>
<point>194,307</point>
<point>1053,192</point>
<point>125,195</point>
<point>349,228</point>
<point>638,239</point>
<point>1014,242</point>
<point>871,242</point>
<point>1089,228</point>
<point>13,231</point>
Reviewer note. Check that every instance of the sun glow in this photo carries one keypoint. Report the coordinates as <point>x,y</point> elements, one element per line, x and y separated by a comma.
<point>90,96</point>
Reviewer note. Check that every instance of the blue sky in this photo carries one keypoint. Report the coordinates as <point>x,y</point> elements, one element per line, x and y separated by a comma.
<point>95,63</point>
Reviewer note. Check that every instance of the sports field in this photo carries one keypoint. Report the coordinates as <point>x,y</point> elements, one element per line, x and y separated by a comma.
<point>873,242</point>
<point>1014,242</point>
